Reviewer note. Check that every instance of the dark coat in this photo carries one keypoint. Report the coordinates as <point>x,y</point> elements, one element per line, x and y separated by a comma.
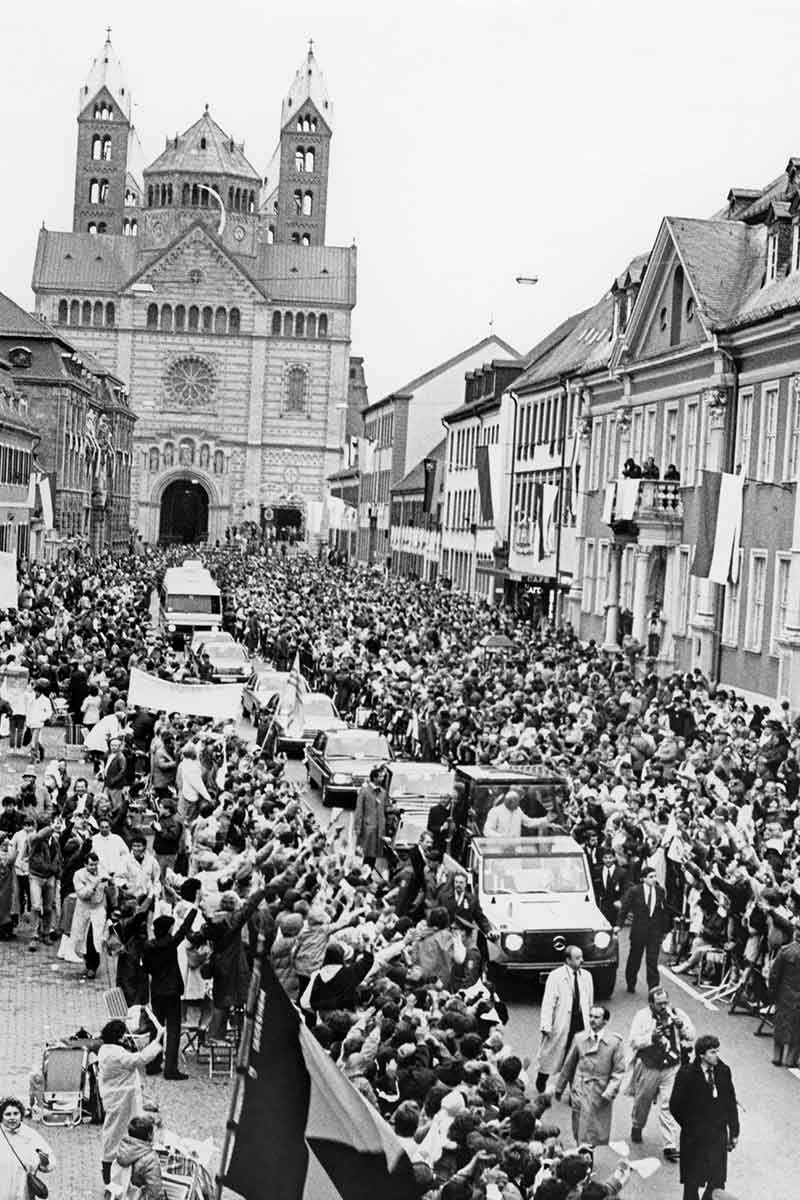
<point>706,1123</point>
<point>643,924</point>
<point>465,914</point>
<point>231,971</point>
<point>784,989</point>
<point>160,960</point>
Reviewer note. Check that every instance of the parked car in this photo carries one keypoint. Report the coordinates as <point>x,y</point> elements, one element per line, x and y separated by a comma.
<point>339,762</point>
<point>537,895</point>
<point>260,689</point>
<point>296,725</point>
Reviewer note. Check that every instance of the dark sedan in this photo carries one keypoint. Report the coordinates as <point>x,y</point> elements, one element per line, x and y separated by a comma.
<point>338,763</point>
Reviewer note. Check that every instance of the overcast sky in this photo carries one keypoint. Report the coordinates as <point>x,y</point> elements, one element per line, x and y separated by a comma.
<point>473,141</point>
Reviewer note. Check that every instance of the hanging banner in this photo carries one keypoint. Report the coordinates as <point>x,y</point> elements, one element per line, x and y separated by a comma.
<point>221,701</point>
<point>9,595</point>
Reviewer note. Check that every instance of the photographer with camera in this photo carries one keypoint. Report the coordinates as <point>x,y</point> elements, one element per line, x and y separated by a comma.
<point>661,1038</point>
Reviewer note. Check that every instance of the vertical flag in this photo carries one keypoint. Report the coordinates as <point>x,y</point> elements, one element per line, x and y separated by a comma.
<point>432,468</point>
<point>299,1129</point>
<point>484,482</point>
<point>707,525</point>
<point>296,688</point>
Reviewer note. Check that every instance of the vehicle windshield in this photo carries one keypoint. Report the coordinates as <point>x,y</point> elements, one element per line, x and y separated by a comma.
<point>270,682</point>
<point>410,782</point>
<point>522,875</point>
<point>225,652</point>
<point>361,743</point>
<point>192,603</point>
<point>318,706</point>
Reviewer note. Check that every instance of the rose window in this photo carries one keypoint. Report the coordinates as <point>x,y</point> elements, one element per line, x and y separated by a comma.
<point>190,383</point>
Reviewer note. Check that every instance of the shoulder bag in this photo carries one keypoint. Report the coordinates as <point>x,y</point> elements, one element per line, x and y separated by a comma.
<point>37,1188</point>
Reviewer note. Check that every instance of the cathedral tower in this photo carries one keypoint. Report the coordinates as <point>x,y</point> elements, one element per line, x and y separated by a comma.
<point>306,116</point>
<point>104,134</point>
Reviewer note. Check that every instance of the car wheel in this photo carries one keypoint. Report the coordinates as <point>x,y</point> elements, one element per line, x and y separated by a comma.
<point>604,982</point>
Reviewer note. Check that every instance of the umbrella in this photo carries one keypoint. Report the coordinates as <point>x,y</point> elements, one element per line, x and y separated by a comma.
<point>496,641</point>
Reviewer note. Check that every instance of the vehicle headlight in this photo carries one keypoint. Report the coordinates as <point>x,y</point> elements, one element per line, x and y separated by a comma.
<point>513,942</point>
<point>602,939</point>
<point>339,778</point>
<point>170,628</point>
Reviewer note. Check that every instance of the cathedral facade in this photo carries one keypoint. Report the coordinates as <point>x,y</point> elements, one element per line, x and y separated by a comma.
<point>209,289</point>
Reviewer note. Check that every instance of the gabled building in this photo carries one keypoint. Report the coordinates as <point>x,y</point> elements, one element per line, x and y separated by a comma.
<point>18,439</point>
<point>474,497</point>
<point>399,430</point>
<point>708,375</point>
<point>215,298</point>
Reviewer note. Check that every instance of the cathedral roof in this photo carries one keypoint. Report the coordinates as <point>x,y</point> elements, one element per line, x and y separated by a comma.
<point>206,149</point>
<point>106,72</point>
<point>308,84</point>
<point>75,261</point>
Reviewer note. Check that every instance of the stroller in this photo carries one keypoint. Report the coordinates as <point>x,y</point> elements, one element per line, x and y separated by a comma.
<point>67,1085</point>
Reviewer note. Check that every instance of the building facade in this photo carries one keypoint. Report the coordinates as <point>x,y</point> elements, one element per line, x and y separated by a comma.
<point>706,384</point>
<point>18,440</point>
<point>84,425</point>
<point>214,296</point>
<point>399,430</point>
<point>473,531</point>
<point>415,535</point>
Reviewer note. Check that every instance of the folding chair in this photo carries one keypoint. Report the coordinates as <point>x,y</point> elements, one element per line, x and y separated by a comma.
<point>64,1074</point>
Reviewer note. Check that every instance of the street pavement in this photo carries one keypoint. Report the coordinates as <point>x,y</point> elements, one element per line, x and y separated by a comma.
<point>43,998</point>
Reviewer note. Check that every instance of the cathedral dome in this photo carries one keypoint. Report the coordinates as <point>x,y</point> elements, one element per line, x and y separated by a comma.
<point>204,149</point>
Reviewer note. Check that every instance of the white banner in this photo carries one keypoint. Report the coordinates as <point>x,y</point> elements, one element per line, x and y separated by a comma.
<point>222,701</point>
<point>9,595</point>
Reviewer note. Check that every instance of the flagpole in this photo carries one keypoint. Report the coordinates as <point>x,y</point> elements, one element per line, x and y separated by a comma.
<point>242,1057</point>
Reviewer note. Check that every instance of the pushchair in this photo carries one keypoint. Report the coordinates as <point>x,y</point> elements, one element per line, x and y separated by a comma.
<point>185,1175</point>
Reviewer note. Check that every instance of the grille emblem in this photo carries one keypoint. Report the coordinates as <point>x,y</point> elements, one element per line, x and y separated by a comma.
<point>559,942</point>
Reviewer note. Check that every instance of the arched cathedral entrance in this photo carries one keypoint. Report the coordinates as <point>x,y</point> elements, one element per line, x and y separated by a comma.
<point>184,513</point>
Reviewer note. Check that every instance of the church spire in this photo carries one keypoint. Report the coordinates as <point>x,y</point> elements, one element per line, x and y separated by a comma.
<point>308,84</point>
<point>106,72</point>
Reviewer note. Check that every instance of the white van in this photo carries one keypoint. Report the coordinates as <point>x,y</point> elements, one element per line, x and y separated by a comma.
<point>189,599</point>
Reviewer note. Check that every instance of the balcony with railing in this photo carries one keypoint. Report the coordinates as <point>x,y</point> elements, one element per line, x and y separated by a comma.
<point>650,506</point>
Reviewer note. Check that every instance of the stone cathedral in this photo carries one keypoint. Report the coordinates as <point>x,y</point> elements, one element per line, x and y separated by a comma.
<point>208,288</point>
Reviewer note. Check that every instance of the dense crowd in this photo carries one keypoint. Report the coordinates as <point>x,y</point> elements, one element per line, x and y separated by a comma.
<point>686,793</point>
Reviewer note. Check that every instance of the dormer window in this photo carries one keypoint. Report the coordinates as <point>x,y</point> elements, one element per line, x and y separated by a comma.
<point>20,357</point>
<point>772,256</point>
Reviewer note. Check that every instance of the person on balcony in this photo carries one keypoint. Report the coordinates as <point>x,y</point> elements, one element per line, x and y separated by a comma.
<point>672,474</point>
<point>650,469</point>
<point>631,469</point>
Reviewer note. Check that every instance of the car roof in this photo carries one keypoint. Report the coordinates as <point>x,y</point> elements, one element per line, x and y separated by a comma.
<point>511,847</point>
<point>509,775</point>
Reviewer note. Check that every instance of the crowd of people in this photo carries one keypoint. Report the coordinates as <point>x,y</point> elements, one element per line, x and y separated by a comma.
<point>684,797</point>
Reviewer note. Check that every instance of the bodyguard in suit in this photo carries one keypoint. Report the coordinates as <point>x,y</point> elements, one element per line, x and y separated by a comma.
<point>646,902</point>
<point>610,886</point>
<point>704,1105</point>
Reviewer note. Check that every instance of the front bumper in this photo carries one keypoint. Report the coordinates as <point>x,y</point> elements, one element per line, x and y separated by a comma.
<point>542,951</point>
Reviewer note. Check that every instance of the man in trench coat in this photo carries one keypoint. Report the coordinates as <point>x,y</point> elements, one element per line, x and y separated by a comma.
<point>369,818</point>
<point>568,997</point>
<point>703,1102</point>
<point>593,1069</point>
